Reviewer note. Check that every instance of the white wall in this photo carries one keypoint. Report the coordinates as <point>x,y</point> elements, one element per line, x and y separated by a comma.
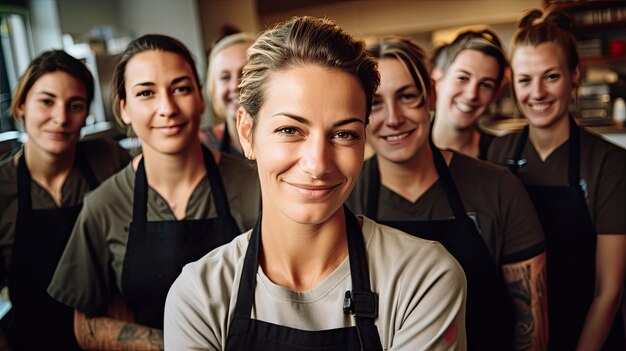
<point>45,25</point>
<point>179,19</point>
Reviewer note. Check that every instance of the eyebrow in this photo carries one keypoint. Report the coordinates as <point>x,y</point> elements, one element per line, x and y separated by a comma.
<point>470,74</point>
<point>305,121</point>
<point>174,81</point>
<point>401,89</point>
<point>52,95</point>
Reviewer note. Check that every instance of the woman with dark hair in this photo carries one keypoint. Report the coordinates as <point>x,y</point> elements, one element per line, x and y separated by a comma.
<point>41,193</point>
<point>173,204</point>
<point>311,275</point>
<point>478,211</point>
<point>577,182</point>
<point>468,75</point>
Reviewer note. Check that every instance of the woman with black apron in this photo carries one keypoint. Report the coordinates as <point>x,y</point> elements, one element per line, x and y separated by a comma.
<point>226,60</point>
<point>479,212</point>
<point>311,275</point>
<point>169,207</point>
<point>577,182</point>
<point>41,195</point>
<point>468,75</point>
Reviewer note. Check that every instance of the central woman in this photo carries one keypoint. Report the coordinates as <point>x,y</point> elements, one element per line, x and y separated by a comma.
<point>311,275</point>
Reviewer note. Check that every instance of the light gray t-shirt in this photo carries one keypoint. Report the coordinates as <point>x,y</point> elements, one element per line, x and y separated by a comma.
<point>421,291</point>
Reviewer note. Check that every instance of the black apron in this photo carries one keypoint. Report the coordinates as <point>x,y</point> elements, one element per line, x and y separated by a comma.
<point>249,334</point>
<point>157,251</point>
<point>37,321</point>
<point>571,250</point>
<point>490,313</point>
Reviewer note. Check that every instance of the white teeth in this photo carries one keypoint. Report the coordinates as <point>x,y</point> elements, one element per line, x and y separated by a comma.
<point>463,107</point>
<point>397,137</point>
<point>540,108</point>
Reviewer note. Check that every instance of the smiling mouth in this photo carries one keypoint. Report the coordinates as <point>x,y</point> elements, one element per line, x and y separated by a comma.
<point>313,192</point>
<point>539,107</point>
<point>465,108</point>
<point>398,137</point>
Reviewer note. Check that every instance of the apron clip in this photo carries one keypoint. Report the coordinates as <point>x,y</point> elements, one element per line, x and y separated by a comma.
<point>361,304</point>
<point>517,163</point>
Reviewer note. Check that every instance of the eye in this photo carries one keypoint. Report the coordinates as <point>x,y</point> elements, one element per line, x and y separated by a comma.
<point>77,107</point>
<point>462,79</point>
<point>347,135</point>
<point>182,90</point>
<point>224,77</point>
<point>47,102</point>
<point>486,85</point>
<point>287,131</point>
<point>408,98</point>
<point>553,77</point>
<point>145,93</point>
<point>523,81</point>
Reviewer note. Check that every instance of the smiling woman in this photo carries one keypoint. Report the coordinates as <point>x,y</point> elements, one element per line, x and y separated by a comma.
<point>41,192</point>
<point>169,207</point>
<point>305,97</point>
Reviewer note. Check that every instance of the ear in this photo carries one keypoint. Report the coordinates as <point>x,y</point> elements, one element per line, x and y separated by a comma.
<point>20,111</point>
<point>436,74</point>
<point>576,77</point>
<point>123,114</point>
<point>244,129</point>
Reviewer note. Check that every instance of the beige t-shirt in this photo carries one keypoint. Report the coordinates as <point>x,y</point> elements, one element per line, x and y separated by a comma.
<point>89,274</point>
<point>421,291</point>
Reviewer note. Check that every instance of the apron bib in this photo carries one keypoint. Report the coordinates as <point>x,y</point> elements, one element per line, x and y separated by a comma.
<point>36,320</point>
<point>246,333</point>
<point>571,250</point>
<point>157,251</point>
<point>490,312</point>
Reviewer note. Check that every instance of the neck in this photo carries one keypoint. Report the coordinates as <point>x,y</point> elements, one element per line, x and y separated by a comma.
<point>465,141</point>
<point>412,178</point>
<point>546,140</point>
<point>175,176</point>
<point>49,170</point>
<point>298,256</point>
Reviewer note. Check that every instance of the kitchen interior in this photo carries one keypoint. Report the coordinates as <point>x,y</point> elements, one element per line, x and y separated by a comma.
<point>96,31</point>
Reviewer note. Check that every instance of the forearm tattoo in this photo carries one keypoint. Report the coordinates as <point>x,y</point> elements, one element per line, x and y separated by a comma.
<point>527,293</point>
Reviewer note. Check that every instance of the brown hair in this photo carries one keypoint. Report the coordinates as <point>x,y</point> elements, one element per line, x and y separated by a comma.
<point>301,41</point>
<point>149,42</point>
<point>485,42</point>
<point>554,28</point>
<point>410,55</point>
<point>48,62</point>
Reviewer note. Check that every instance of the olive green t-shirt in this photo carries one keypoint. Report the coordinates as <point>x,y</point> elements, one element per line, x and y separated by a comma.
<point>89,274</point>
<point>602,174</point>
<point>105,157</point>
<point>492,197</point>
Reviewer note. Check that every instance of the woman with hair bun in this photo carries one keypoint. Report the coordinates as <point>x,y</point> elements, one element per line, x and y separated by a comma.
<point>577,182</point>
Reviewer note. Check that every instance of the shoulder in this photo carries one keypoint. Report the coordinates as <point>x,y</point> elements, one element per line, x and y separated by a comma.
<point>471,172</point>
<point>502,148</point>
<point>114,190</point>
<point>8,171</point>
<point>104,156</point>
<point>238,174</point>
<point>598,147</point>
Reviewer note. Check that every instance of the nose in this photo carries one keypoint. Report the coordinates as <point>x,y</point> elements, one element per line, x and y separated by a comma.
<point>61,114</point>
<point>470,91</point>
<point>538,91</point>
<point>316,157</point>
<point>233,83</point>
<point>167,106</point>
<point>394,116</point>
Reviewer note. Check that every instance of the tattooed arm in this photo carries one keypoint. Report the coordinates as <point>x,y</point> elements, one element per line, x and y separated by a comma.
<point>610,267</point>
<point>527,286</point>
<point>116,331</point>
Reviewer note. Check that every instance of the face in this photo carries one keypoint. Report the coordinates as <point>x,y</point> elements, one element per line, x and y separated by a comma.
<point>308,142</point>
<point>543,83</point>
<point>163,103</point>
<point>400,120</point>
<point>54,111</point>
<point>226,74</point>
<point>467,88</point>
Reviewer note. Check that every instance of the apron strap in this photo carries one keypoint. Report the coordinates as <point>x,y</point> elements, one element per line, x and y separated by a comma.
<point>24,202</point>
<point>454,199</point>
<point>140,198</point>
<point>373,189</point>
<point>247,283</point>
<point>573,169</point>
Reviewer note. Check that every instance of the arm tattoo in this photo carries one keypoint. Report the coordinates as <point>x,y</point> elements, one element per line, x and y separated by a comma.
<point>132,332</point>
<point>526,292</point>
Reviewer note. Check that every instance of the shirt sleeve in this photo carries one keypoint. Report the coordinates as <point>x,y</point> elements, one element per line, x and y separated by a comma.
<point>610,199</point>
<point>83,278</point>
<point>523,234</point>
<point>435,312</point>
